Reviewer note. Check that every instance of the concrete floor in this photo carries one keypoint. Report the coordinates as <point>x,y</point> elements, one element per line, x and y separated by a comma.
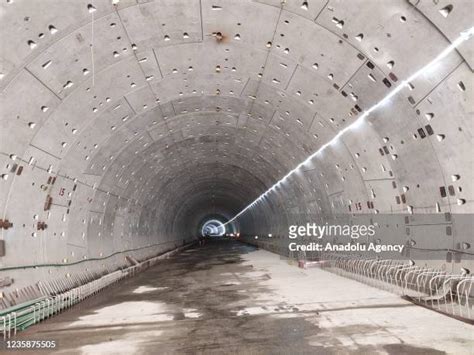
<point>227,297</point>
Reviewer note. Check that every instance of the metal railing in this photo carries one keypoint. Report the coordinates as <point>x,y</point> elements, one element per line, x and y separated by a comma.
<point>58,295</point>
<point>32,312</point>
<point>445,292</point>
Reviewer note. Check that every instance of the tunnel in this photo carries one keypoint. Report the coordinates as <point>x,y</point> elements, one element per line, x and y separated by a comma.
<point>237,176</point>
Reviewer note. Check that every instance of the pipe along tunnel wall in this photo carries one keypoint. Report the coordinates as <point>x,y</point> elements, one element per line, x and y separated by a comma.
<point>125,124</point>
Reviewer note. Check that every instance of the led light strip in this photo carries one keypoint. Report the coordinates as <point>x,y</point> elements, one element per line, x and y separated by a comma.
<point>464,36</point>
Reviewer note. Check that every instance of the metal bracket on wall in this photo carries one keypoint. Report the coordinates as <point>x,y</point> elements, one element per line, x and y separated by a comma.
<point>41,226</point>
<point>48,202</point>
<point>5,224</point>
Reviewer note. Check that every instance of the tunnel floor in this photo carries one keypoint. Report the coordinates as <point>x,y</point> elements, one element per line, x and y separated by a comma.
<point>228,297</point>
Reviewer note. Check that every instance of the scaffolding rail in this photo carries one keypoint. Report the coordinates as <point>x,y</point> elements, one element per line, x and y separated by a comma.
<point>451,294</point>
<point>59,295</point>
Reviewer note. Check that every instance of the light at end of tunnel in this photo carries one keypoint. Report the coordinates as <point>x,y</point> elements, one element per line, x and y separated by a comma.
<point>214,228</point>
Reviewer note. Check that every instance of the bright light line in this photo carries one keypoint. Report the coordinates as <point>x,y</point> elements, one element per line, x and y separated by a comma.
<point>464,36</point>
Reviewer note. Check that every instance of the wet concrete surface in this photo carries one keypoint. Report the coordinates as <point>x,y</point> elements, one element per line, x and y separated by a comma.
<point>228,297</point>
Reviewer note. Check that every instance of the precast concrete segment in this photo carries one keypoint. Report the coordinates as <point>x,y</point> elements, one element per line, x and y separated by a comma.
<point>229,297</point>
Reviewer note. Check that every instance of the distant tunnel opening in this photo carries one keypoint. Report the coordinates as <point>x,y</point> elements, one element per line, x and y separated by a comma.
<point>213,228</point>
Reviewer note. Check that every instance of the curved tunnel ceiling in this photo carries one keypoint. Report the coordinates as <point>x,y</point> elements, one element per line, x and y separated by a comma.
<point>127,122</point>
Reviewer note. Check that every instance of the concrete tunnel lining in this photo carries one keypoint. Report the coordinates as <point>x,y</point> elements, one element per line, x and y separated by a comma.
<point>125,124</point>
<point>92,134</point>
